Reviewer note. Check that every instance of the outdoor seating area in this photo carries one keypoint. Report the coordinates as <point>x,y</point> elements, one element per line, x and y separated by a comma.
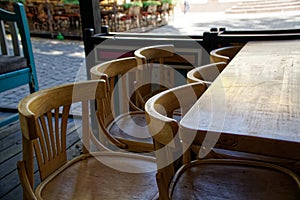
<point>63,16</point>
<point>168,117</point>
<point>124,16</point>
<point>155,117</point>
<point>51,17</point>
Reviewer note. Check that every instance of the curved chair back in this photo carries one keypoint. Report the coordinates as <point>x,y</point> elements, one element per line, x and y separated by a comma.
<point>118,108</point>
<point>163,127</point>
<point>153,53</point>
<point>44,120</point>
<point>152,64</point>
<point>206,73</point>
<point>224,54</point>
<point>206,178</point>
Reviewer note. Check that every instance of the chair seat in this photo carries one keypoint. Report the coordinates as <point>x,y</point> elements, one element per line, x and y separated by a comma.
<point>131,126</point>
<point>91,177</point>
<point>11,63</point>
<point>225,180</point>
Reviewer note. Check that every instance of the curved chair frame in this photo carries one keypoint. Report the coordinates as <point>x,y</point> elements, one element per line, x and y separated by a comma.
<point>206,73</point>
<point>164,127</point>
<point>224,54</point>
<point>120,75</point>
<point>179,180</point>
<point>44,118</point>
<point>150,57</point>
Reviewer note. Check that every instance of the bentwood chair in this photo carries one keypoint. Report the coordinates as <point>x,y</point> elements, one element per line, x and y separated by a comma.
<point>17,65</point>
<point>195,178</point>
<point>95,174</point>
<point>224,54</point>
<point>206,73</point>
<point>158,65</point>
<point>120,121</point>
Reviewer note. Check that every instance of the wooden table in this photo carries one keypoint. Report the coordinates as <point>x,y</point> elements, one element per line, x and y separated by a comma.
<point>254,104</point>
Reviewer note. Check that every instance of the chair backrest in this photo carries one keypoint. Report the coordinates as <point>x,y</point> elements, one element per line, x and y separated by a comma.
<point>17,25</point>
<point>224,54</point>
<point>154,53</point>
<point>206,73</point>
<point>44,123</point>
<point>150,60</point>
<point>163,128</point>
<point>120,77</point>
<point>113,71</point>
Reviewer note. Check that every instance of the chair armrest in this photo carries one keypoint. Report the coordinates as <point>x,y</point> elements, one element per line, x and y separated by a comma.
<point>27,189</point>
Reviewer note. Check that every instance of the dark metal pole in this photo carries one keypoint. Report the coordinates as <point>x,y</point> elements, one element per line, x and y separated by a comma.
<point>90,15</point>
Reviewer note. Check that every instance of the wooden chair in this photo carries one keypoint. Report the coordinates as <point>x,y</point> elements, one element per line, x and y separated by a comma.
<point>104,174</point>
<point>123,126</point>
<point>206,73</point>
<point>17,67</point>
<point>135,13</point>
<point>207,178</point>
<point>157,66</point>
<point>150,15</point>
<point>163,10</point>
<point>224,54</point>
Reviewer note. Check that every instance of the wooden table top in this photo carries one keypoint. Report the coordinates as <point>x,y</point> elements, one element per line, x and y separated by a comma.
<point>256,97</point>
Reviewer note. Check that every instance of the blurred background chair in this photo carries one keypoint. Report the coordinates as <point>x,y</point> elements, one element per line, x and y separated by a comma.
<point>224,54</point>
<point>17,66</point>
<point>150,15</point>
<point>121,122</point>
<point>97,172</point>
<point>188,176</point>
<point>135,13</point>
<point>163,10</point>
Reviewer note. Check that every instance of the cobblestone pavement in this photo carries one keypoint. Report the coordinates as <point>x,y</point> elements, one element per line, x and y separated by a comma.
<point>58,62</point>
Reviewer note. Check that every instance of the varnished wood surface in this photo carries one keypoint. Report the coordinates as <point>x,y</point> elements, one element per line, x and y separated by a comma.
<point>104,174</point>
<point>255,101</point>
<point>234,180</point>
<point>90,176</point>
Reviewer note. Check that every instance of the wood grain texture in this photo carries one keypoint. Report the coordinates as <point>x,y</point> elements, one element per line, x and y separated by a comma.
<point>121,122</point>
<point>255,100</point>
<point>105,174</point>
<point>232,179</point>
<point>92,177</point>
